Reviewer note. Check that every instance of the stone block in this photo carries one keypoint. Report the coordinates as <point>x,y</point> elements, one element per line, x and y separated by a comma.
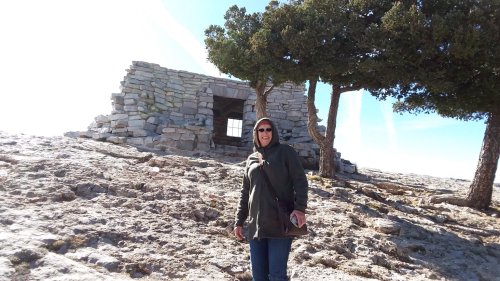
<point>149,141</point>
<point>118,100</point>
<point>176,114</point>
<point>144,74</point>
<point>119,123</point>
<point>118,130</point>
<point>133,96</point>
<point>139,123</point>
<point>142,109</point>
<point>242,95</point>
<point>159,83</point>
<point>285,125</point>
<point>130,108</point>
<point>138,132</point>
<point>130,102</point>
<point>294,114</point>
<point>250,116</point>
<point>160,100</point>
<point>206,99</point>
<point>150,127</point>
<point>117,140</point>
<point>101,119</point>
<point>104,130</point>
<point>203,147</point>
<point>173,136</point>
<point>160,107</point>
<point>186,145</point>
<point>153,120</point>
<point>187,137</point>
<point>188,110</point>
<point>169,130</point>
<point>118,116</point>
<point>135,141</point>
<point>168,143</point>
<point>117,95</point>
<point>100,136</point>
<point>176,87</point>
<point>117,108</point>
<point>206,111</point>
<point>147,88</point>
<point>190,104</point>
<point>209,123</point>
<point>204,137</point>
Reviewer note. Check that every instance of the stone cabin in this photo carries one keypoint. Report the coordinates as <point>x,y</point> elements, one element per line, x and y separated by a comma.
<point>171,110</point>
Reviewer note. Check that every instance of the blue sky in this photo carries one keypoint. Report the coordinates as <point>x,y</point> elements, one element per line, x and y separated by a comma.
<point>62,60</point>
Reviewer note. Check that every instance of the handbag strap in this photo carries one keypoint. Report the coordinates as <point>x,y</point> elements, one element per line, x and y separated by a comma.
<point>269,184</point>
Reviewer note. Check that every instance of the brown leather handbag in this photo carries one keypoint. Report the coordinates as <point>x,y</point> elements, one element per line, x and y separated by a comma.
<point>284,211</point>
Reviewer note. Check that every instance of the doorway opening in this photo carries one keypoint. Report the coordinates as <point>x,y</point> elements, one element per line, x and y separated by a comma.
<point>228,121</point>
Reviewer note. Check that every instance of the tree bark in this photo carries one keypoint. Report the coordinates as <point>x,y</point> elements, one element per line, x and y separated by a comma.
<point>325,143</point>
<point>261,101</point>
<point>481,189</point>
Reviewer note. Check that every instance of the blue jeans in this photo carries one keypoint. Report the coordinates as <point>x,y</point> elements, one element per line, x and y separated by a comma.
<point>269,257</point>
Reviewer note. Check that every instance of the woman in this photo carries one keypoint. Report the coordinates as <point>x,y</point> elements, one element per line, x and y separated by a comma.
<point>269,249</point>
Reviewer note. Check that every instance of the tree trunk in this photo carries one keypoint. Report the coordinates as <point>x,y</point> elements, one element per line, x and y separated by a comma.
<point>312,127</point>
<point>331,126</point>
<point>481,189</point>
<point>326,162</point>
<point>261,101</point>
<point>325,143</point>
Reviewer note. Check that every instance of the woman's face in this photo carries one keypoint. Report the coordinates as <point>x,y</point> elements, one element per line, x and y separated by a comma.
<point>265,134</point>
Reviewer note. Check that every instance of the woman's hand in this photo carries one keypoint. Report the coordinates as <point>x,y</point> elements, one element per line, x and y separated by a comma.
<point>238,232</point>
<point>301,217</point>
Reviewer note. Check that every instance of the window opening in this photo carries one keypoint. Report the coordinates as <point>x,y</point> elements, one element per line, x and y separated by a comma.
<point>228,121</point>
<point>234,127</point>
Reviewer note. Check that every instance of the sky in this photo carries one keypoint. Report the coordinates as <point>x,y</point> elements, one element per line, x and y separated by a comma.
<point>62,60</point>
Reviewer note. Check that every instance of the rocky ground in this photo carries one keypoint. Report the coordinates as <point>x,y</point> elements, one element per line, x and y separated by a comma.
<point>77,209</point>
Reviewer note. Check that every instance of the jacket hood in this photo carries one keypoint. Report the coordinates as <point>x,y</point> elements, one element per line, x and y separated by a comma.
<point>274,140</point>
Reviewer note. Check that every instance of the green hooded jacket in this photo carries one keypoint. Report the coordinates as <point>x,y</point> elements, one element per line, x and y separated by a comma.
<point>283,167</point>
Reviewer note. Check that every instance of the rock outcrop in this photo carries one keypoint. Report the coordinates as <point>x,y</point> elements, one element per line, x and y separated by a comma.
<point>79,209</point>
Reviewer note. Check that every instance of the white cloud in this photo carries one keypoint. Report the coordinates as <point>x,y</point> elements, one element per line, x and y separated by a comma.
<point>62,60</point>
<point>349,126</point>
<point>180,34</point>
<point>387,114</point>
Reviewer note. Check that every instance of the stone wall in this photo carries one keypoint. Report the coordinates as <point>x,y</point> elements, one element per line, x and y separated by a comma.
<point>174,110</point>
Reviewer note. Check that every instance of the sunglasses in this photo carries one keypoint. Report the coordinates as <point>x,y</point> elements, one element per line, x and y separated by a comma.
<point>266,129</point>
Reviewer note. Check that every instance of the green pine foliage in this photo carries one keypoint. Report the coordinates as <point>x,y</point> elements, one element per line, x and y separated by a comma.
<point>447,57</point>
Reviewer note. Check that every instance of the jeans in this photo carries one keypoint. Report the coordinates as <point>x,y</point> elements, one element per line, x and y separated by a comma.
<point>269,257</point>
